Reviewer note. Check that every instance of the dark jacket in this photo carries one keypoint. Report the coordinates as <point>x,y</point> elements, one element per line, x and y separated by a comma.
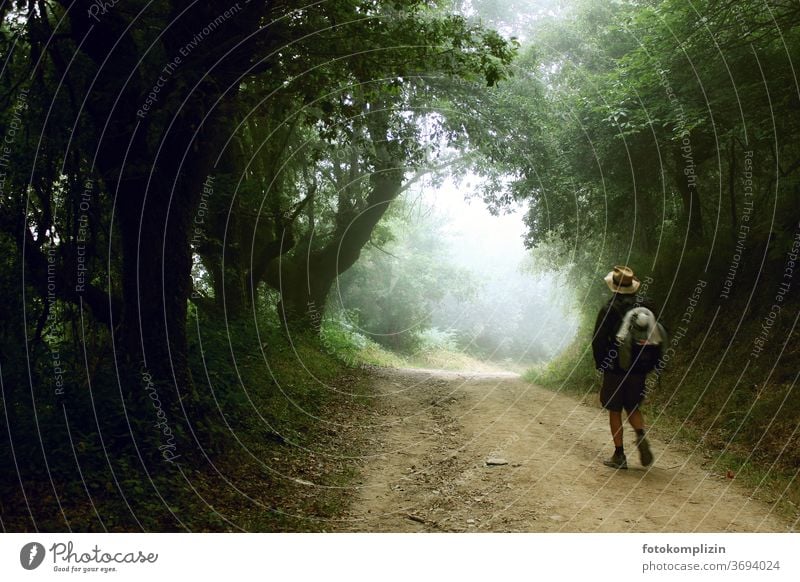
<point>604,341</point>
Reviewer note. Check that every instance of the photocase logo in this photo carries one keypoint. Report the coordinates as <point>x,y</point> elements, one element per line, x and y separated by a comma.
<point>32,555</point>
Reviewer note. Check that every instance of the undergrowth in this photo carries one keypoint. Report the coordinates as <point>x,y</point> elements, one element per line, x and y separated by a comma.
<point>274,452</point>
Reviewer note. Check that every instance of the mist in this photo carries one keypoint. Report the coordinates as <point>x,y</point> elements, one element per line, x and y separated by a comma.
<point>455,279</point>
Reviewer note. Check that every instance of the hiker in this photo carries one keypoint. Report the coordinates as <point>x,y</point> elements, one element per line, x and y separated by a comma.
<point>621,388</point>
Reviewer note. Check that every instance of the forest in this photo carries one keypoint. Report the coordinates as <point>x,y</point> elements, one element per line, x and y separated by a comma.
<point>220,229</point>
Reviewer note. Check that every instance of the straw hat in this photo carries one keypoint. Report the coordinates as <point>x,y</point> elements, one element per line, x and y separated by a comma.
<point>622,280</point>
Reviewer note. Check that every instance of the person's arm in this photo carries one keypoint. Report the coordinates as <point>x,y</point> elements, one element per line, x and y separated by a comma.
<point>600,338</point>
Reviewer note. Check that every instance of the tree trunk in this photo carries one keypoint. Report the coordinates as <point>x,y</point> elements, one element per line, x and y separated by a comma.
<point>304,297</point>
<point>305,281</point>
<point>732,189</point>
<point>690,200</point>
<point>156,284</point>
<point>154,166</point>
<point>156,227</point>
<point>647,230</point>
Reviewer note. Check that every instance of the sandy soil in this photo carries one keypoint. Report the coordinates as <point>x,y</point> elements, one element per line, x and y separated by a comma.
<point>433,432</point>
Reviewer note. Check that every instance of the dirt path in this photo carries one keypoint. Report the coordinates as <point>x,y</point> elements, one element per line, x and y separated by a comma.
<point>434,430</point>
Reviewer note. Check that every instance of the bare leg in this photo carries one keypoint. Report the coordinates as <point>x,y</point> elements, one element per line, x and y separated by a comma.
<point>615,421</point>
<point>637,422</point>
<point>636,419</point>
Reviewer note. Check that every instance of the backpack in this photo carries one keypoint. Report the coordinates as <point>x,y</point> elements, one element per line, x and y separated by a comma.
<point>640,338</point>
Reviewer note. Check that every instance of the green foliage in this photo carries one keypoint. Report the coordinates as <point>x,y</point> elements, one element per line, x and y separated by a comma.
<point>437,339</point>
<point>639,132</point>
<point>141,169</point>
<point>341,339</point>
<point>666,156</point>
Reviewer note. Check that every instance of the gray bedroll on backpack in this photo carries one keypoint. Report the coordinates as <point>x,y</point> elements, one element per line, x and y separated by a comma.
<point>640,338</point>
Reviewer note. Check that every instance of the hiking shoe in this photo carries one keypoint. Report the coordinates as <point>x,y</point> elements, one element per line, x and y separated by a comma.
<point>617,462</point>
<point>645,455</point>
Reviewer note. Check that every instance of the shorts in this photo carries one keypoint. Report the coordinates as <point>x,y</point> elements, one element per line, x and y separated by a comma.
<point>621,390</point>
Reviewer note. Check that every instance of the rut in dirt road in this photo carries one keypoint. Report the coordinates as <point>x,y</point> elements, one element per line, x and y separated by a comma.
<point>438,429</point>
